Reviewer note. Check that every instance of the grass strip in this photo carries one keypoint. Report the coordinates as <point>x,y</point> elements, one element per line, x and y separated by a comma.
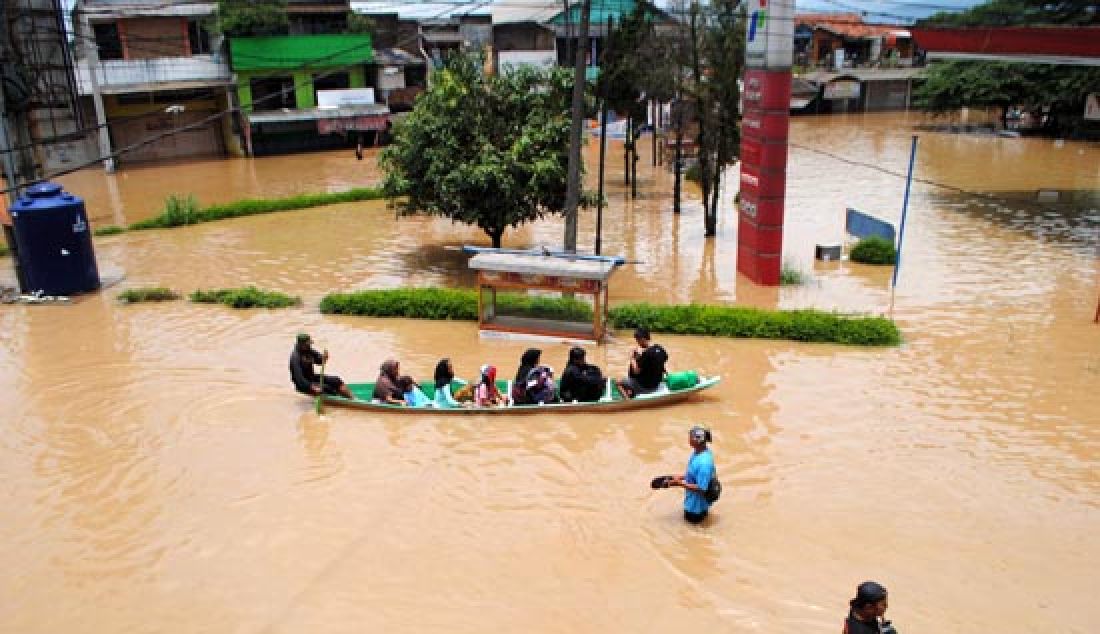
<point>147,294</point>
<point>449,304</point>
<point>687,319</point>
<point>109,230</point>
<point>181,211</point>
<point>739,321</point>
<point>247,297</point>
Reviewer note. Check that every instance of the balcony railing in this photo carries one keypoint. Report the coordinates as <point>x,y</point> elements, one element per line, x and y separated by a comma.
<point>121,73</point>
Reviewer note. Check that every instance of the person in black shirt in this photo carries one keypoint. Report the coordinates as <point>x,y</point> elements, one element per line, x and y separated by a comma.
<point>647,366</point>
<point>867,610</point>
<point>580,381</point>
<point>527,363</point>
<point>306,381</point>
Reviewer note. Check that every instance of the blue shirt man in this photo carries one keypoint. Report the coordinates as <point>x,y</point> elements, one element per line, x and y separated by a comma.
<point>700,471</point>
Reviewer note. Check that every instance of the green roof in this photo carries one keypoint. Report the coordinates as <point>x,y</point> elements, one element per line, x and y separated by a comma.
<point>277,52</point>
<point>601,10</point>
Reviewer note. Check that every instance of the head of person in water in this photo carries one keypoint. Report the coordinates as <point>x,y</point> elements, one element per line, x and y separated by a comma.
<point>871,601</point>
<point>698,438</point>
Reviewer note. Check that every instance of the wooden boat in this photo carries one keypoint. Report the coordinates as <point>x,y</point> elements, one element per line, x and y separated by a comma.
<point>613,400</point>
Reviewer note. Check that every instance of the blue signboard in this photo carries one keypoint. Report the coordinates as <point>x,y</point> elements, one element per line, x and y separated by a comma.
<point>862,225</point>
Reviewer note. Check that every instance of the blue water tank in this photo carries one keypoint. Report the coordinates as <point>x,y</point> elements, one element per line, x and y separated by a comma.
<point>54,241</point>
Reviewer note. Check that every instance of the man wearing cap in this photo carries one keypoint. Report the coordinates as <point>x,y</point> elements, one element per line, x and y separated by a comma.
<point>647,366</point>
<point>696,479</point>
<point>306,381</point>
<point>867,610</point>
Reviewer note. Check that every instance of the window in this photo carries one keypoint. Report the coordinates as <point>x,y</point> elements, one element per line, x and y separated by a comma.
<point>107,41</point>
<point>199,38</point>
<point>272,93</point>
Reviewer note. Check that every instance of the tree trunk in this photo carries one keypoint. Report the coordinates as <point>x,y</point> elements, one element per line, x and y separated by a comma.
<point>678,159</point>
<point>495,235</point>
<point>702,110</point>
<point>712,219</point>
<point>634,168</point>
<point>626,152</point>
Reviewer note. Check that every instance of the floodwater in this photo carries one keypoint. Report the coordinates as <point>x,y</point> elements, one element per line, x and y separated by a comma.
<point>161,476</point>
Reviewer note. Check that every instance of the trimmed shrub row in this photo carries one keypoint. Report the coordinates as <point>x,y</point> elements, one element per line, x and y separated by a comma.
<point>147,294</point>
<point>247,297</point>
<point>688,319</point>
<point>180,211</point>
<point>874,250</point>
<point>452,304</point>
<point>738,321</point>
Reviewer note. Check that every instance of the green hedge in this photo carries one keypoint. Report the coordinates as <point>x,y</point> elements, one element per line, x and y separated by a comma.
<point>737,321</point>
<point>4,250</point>
<point>874,250</point>
<point>180,211</point>
<point>109,230</point>
<point>441,303</point>
<point>147,294</point>
<point>690,319</point>
<point>247,297</point>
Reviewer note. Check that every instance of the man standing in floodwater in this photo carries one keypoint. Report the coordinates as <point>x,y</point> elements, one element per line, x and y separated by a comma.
<point>305,379</point>
<point>867,611</point>
<point>697,477</point>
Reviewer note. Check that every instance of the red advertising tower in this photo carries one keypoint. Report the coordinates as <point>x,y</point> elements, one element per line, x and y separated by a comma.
<point>764,125</point>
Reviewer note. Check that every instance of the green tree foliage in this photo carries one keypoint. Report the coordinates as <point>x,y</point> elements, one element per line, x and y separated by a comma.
<point>252,17</point>
<point>489,151</point>
<point>1057,91</point>
<point>360,23</point>
<point>1020,13</point>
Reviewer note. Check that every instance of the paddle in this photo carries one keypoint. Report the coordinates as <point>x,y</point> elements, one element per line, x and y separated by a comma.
<point>319,403</point>
<point>660,482</point>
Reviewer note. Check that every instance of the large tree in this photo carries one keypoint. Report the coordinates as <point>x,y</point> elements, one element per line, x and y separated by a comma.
<point>252,17</point>
<point>485,150</point>
<point>1056,93</point>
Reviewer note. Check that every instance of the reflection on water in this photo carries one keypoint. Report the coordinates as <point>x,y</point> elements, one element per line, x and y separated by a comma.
<point>162,477</point>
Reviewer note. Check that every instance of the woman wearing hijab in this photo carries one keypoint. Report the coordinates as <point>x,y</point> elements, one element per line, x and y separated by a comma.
<point>581,381</point>
<point>527,363</point>
<point>444,376</point>
<point>385,387</point>
<point>487,394</point>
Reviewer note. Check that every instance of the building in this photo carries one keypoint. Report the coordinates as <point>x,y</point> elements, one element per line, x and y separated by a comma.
<point>566,25</point>
<point>862,89</point>
<point>147,67</point>
<point>844,40</point>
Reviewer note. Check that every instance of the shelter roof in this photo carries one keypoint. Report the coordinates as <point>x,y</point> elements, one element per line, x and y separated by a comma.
<point>551,265</point>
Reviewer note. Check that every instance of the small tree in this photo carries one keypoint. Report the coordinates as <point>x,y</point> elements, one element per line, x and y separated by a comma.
<point>252,17</point>
<point>490,151</point>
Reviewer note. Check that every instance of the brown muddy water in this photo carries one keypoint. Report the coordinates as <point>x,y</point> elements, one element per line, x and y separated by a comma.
<point>161,476</point>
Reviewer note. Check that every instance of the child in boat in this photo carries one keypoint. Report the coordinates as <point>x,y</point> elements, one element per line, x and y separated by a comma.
<point>540,385</point>
<point>487,393</point>
<point>414,396</point>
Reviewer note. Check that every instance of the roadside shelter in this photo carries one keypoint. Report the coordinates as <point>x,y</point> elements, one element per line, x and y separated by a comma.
<point>513,288</point>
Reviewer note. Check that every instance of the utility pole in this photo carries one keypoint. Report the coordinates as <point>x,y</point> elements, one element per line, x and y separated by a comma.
<point>603,134</point>
<point>91,54</point>
<point>573,184</point>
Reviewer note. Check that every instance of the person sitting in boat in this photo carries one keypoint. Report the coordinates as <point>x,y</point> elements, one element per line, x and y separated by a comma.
<point>385,387</point>
<point>487,393</point>
<point>581,381</point>
<point>527,363</point>
<point>444,376</point>
<point>540,386</point>
<point>414,396</point>
<point>306,380</point>
<point>647,366</point>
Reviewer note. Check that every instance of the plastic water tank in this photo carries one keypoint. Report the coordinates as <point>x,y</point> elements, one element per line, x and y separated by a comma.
<point>54,241</point>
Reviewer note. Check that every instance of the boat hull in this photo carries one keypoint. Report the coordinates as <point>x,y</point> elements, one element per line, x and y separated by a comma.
<point>615,404</point>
